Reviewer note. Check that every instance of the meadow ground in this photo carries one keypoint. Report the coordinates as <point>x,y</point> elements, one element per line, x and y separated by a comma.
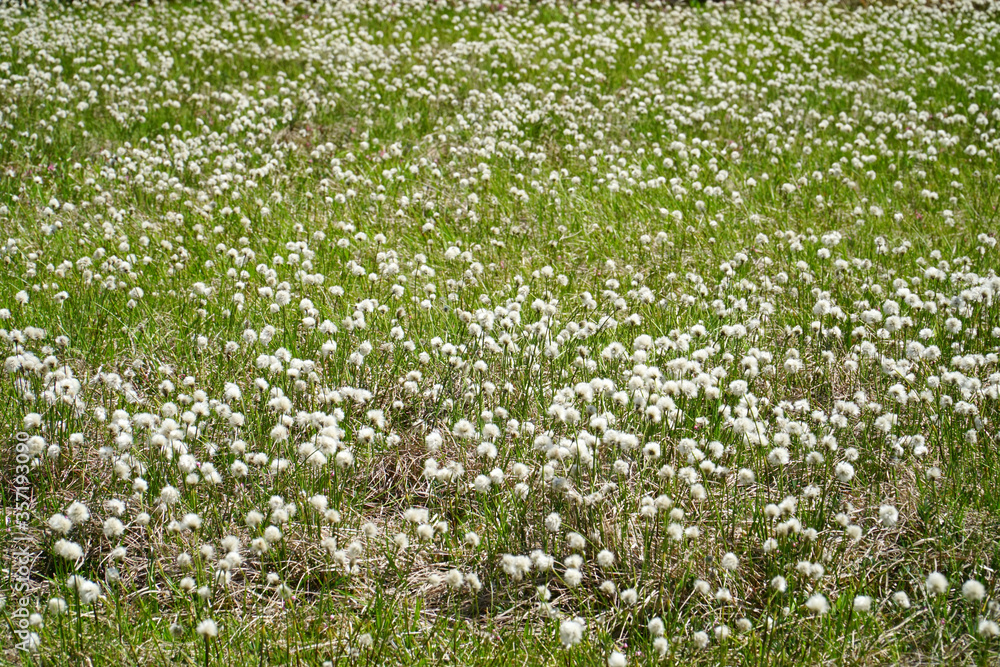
<point>482,333</point>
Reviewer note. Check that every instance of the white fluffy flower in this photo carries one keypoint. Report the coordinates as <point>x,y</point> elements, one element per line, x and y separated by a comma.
<point>818,604</point>
<point>570,633</point>
<point>207,629</point>
<point>936,584</point>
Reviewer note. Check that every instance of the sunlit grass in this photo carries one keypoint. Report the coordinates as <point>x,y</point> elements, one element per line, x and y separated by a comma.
<point>470,333</point>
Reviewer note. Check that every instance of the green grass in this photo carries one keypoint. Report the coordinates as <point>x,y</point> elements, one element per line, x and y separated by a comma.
<point>516,215</point>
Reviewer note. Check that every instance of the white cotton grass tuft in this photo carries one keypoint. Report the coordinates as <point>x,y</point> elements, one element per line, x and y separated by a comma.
<point>779,456</point>
<point>68,550</point>
<point>617,659</point>
<point>988,629</point>
<point>60,523</point>
<point>88,591</point>
<point>730,562</point>
<point>113,528</point>
<point>818,604</point>
<point>973,591</point>
<point>888,515</point>
<point>78,513</point>
<point>207,629</point>
<point>570,633</point>
<point>936,584</point>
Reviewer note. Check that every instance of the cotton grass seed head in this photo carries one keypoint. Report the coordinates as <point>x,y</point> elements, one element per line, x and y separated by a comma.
<point>570,633</point>
<point>207,629</point>
<point>973,591</point>
<point>936,584</point>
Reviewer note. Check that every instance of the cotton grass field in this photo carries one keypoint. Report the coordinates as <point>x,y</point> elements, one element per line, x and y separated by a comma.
<point>468,333</point>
